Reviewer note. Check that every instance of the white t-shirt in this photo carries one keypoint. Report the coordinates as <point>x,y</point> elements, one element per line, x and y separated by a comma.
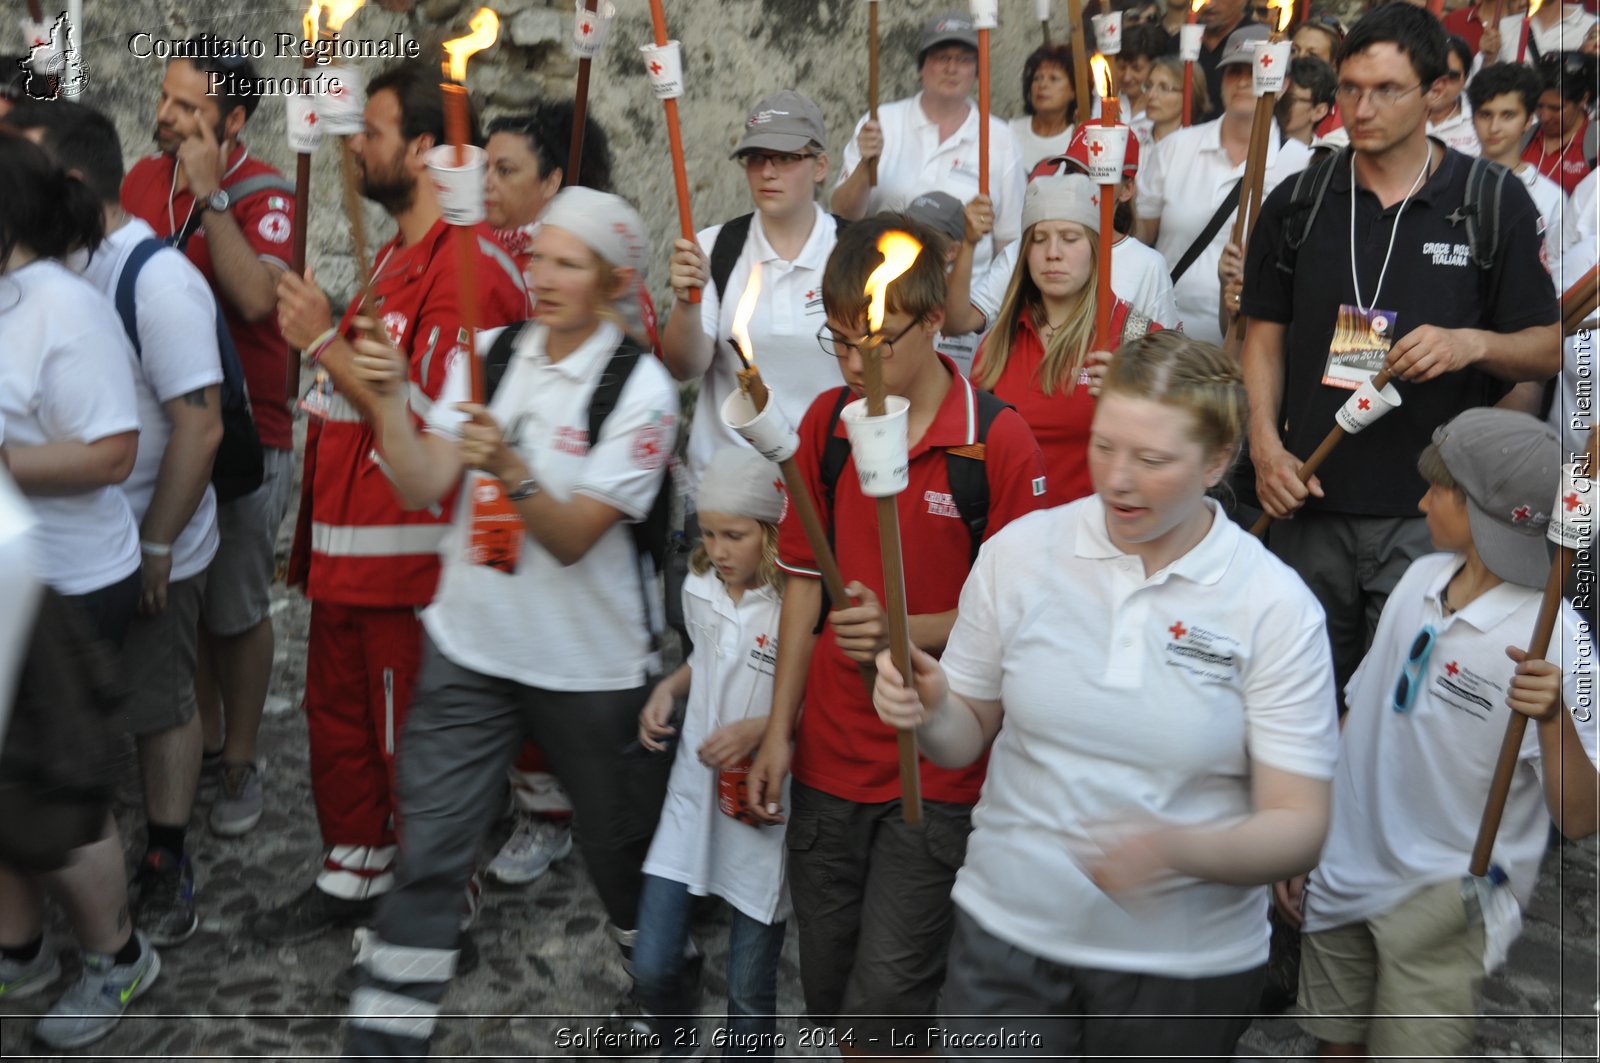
<point>1034,149</point>
<point>579,627</point>
<point>1138,274</point>
<point>1457,131</point>
<point>19,589</point>
<point>735,652</point>
<point>783,330</point>
<point>1582,221</point>
<point>1565,35</point>
<point>68,374</point>
<point>1409,790</point>
<point>178,354</point>
<point>915,161</point>
<point>1131,704</point>
<point>1182,181</point>
<point>1552,204</point>
<point>1573,411</point>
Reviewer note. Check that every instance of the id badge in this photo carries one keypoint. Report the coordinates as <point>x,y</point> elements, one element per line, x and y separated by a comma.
<point>318,398</point>
<point>1360,347</point>
<point>494,539</point>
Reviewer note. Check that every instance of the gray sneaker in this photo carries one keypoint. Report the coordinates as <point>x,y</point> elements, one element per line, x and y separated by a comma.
<point>238,805</point>
<point>19,979</point>
<point>95,1003</point>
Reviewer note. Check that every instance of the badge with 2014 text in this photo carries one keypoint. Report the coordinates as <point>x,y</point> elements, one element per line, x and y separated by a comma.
<point>1360,346</point>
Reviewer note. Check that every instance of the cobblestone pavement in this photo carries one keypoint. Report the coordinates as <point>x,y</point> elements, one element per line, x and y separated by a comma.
<point>547,960</point>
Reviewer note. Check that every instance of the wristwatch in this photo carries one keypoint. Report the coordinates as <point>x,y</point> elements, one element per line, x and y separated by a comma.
<point>526,489</point>
<point>218,200</point>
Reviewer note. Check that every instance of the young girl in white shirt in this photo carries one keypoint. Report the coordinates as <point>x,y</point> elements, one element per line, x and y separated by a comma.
<point>706,844</point>
<point>1155,694</point>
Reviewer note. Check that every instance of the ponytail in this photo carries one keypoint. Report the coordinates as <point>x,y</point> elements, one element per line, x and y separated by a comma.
<point>42,208</point>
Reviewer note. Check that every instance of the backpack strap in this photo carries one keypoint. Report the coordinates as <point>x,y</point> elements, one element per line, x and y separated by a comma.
<point>726,249</point>
<point>499,358</point>
<point>1305,201</point>
<point>127,308</point>
<point>835,452</point>
<point>1485,181</point>
<point>609,390</point>
<point>969,473</point>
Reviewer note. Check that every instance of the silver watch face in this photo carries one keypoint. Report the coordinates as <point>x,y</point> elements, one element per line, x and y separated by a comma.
<point>219,200</point>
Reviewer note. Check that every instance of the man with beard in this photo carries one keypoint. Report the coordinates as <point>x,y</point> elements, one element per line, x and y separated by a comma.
<point>367,564</point>
<point>233,216</point>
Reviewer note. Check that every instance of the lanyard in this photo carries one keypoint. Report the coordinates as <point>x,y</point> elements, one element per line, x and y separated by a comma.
<point>1355,281</point>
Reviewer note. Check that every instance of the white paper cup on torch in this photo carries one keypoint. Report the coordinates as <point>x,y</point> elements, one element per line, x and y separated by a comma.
<point>1572,519</point>
<point>664,64</point>
<point>1108,148</point>
<point>340,107</point>
<point>880,446</point>
<point>1189,41</point>
<point>459,188</point>
<point>301,125</point>
<point>1041,10</point>
<point>589,28</point>
<point>1365,405</point>
<point>985,14</point>
<point>1270,67</point>
<point>1108,32</point>
<point>768,431</point>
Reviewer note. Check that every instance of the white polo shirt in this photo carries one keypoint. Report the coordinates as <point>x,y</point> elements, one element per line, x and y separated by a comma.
<point>1033,149</point>
<point>1182,182</point>
<point>19,588</point>
<point>735,652</point>
<point>67,375</point>
<point>914,161</point>
<point>176,315</point>
<point>1131,704</point>
<point>1552,205</point>
<point>783,330</point>
<point>1410,787</point>
<point>1138,274</point>
<point>1565,35</point>
<point>1457,131</point>
<point>1582,220</point>
<point>579,627</point>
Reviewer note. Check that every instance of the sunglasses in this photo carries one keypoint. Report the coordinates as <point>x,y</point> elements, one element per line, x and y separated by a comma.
<point>1414,670</point>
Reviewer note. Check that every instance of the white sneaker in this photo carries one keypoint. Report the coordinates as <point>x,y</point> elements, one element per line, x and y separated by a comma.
<point>94,1004</point>
<point>534,845</point>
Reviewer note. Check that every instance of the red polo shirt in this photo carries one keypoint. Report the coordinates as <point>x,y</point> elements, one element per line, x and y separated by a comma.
<point>1060,422</point>
<point>841,747</point>
<point>1567,167</point>
<point>1464,23</point>
<point>354,544</point>
<point>267,220</point>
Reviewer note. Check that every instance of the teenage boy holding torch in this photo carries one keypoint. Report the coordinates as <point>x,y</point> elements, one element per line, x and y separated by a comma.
<point>872,893</point>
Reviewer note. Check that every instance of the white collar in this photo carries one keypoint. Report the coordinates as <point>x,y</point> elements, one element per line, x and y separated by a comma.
<point>1205,562</point>
<point>582,363</point>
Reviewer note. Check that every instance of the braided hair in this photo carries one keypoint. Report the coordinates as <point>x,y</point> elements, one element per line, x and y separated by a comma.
<point>1178,370</point>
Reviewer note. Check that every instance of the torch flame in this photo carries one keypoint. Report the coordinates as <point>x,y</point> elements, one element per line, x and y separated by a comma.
<point>1196,5</point>
<point>310,20</point>
<point>339,12</point>
<point>1285,13</point>
<point>900,251</point>
<point>485,28</point>
<point>742,313</point>
<point>1102,76</point>
<point>1534,6</point>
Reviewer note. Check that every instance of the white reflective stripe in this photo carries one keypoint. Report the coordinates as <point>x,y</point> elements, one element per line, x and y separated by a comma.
<point>379,540</point>
<point>362,857</point>
<point>391,1013</point>
<point>350,886</point>
<point>421,405</point>
<point>388,711</point>
<point>403,965</point>
<point>340,410</point>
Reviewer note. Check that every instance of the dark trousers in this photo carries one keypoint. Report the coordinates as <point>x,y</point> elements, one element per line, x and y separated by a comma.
<point>462,733</point>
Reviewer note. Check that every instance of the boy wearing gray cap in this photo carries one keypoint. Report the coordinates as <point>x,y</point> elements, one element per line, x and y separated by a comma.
<point>1396,939</point>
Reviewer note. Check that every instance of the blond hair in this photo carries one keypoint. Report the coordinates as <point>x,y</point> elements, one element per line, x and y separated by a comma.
<point>1178,370</point>
<point>768,574</point>
<point>1068,348</point>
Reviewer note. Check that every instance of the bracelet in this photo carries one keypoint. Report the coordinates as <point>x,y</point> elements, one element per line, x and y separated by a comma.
<point>155,549</point>
<point>315,349</point>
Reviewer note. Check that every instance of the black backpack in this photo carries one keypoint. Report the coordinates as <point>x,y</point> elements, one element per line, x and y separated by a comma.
<point>238,468</point>
<point>729,245</point>
<point>965,465</point>
<point>650,535</point>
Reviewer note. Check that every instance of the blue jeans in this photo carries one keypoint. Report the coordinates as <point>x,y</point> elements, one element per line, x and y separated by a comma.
<point>665,911</point>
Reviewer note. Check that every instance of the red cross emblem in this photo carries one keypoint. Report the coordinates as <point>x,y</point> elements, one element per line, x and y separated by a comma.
<point>1452,668</point>
<point>1572,502</point>
<point>1521,514</point>
<point>584,29</point>
<point>762,640</point>
<point>1111,29</point>
<point>1266,61</point>
<point>812,294</point>
<point>1178,630</point>
<point>1096,148</point>
<point>655,67</point>
<point>777,485</point>
<point>1363,404</point>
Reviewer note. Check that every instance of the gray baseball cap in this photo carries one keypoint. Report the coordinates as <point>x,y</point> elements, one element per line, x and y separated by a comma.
<point>941,212</point>
<point>1508,464</point>
<point>1242,45</point>
<point>784,121</point>
<point>953,27</point>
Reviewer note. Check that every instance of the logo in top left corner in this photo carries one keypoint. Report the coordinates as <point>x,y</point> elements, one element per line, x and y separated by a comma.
<point>54,64</point>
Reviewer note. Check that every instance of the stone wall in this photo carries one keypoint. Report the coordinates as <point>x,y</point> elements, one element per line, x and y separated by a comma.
<point>735,52</point>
